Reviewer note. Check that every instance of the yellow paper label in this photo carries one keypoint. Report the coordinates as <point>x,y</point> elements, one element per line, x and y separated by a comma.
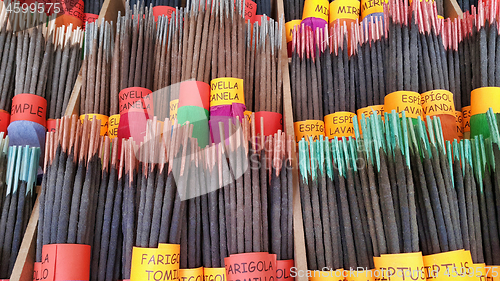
<point>492,272</point>
<point>403,101</point>
<point>482,99</point>
<point>399,267</point>
<point>103,118</point>
<point>155,264</point>
<point>459,120</point>
<point>437,102</point>
<point>194,274</point>
<point>479,272</point>
<point>316,9</point>
<point>369,7</point>
<point>448,265</point>
<point>113,122</point>
<point>174,106</point>
<point>320,275</point>
<point>344,9</point>
<point>466,113</point>
<point>339,124</point>
<point>214,274</point>
<point>289,26</point>
<point>226,91</point>
<point>248,116</point>
<point>365,275</point>
<point>309,128</point>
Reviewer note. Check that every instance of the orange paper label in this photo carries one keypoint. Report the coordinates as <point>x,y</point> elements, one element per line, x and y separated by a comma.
<point>250,265</point>
<point>29,107</point>
<point>399,267</point>
<point>365,275</point>
<point>466,113</point>
<point>194,93</point>
<point>4,120</point>
<point>316,9</point>
<point>403,101</point>
<point>289,26</point>
<point>250,10</point>
<point>65,262</point>
<point>478,272</point>
<point>214,274</point>
<point>174,106</point>
<point>155,264</point>
<point>492,272</point>
<point>482,99</point>
<point>271,121</point>
<point>104,121</point>
<point>459,119</point>
<point>52,124</point>
<point>320,275</point>
<point>369,7</point>
<point>344,9</point>
<point>309,128</point>
<point>163,11</point>
<point>226,91</point>
<point>283,270</point>
<point>113,122</point>
<point>194,274</point>
<point>437,102</point>
<point>90,18</point>
<point>248,116</point>
<point>448,265</point>
<point>339,124</point>
<point>369,110</point>
<point>136,99</point>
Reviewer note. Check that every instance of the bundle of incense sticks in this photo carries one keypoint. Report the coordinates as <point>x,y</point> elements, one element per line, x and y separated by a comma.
<point>92,6</point>
<point>96,69</point>
<point>8,47</point>
<point>18,171</point>
<point>293,9</point>
<point>452,43</point>
<point>171,3</point>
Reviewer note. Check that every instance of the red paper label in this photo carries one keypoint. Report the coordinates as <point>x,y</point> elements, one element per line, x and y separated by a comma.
<point>272,122</point>
<point>194,93</point>
<point>90,18</point>
<point>52,124</point>
<point>37,271</point>
<point>251,266</point>
<point>283,270</point>
<point>71,12</point>
<point>250,10</point>
<point>256,18</point>
<point>136,99</point>
<point>29,107</point>
<point>4,120</point>
<point>163,11</point>
<point>66,262</point>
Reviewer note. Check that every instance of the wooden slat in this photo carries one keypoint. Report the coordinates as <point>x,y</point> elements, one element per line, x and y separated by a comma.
<point>452,10</point>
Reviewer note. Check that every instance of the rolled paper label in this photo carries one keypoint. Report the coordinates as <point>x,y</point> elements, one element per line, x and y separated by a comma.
<point>174,105</point>
<point>344,10</point>
<point>4,120</point>
<point>163,11</point>
<point>362,275</point>
<point>261,266</point>
<point>466,113</point>
<point>403,101</point>
<point>226,91</point>
<point>459,119</point>
<point>250,10</point>
<point>369,7</point>
<point>399,267</point>
<point>339,124</point>
<point>369,110</point>
<point>71,13</point>
<point>194,93</point>
<point>248,115</point>
<point>283,270</point>
<point>65,262</point>
<point>257,19</point>
<point>478,272</point>
<point>113,122</point>
<point>272,122</point>
<point>482,99</point>
<point>309,128</point>
<point>52,124</point>
<point>29,107</point>
<point>37,272</point>
<point>104,121</point>
<point>214,274</point>
<point>448,265</point>
<point>492,272</point>
<point>332,275</point>
<point>90,18</point>
<point>316,9</point>
<point>136,99</point>
<point>194,274</point>
<point>289,26</point>
<point>155,264</point>
<point>437,102</point>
